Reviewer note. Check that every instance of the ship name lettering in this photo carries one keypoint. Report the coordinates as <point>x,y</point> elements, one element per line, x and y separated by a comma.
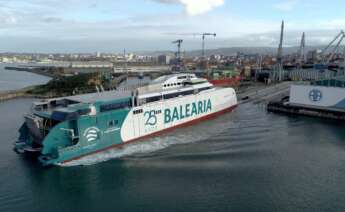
<point>187,110</point>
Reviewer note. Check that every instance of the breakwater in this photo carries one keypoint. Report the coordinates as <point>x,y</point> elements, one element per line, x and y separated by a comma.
<point>7,95</point>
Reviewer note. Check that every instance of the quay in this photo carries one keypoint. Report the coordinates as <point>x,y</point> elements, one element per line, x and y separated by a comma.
<point>281,107</point>
<point>259,93</point>
<point>322,98</point>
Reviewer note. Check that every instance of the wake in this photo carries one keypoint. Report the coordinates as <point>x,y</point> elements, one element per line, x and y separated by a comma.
<point>199,132</point>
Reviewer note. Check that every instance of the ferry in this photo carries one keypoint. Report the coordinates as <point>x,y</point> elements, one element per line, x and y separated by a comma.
<point>65,129</point>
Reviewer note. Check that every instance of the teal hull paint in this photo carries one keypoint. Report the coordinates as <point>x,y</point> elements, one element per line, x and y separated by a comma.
<point>104,137</point>
<point>212,115</point>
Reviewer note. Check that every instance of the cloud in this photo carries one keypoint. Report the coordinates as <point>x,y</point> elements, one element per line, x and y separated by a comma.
<point>52,20</point>
<point>333,24</point>
<point>287,5</point>
<point>195,7</point>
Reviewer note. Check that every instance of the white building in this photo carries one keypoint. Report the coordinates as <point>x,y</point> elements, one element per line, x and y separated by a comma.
<point>324,94</point>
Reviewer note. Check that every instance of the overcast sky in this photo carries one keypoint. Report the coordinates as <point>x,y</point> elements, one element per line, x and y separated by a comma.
<point>145,25</point>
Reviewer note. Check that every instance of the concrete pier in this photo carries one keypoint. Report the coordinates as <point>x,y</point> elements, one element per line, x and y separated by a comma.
<point>280,107</point>
<point>264,94</point>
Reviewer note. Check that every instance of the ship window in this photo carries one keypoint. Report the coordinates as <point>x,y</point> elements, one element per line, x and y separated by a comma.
<point>153,99</point>
<point>62,116</point>
<point>113,123</point>
<point>84,111</point>
<point>171,95</point>
<point>177,94</point>
<point>137,111</point>
<point>184,93</point>
<point>203,89</point>
<point>115,106</point>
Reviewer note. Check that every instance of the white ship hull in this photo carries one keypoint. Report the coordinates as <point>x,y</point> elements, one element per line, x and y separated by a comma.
<point>167,114</point>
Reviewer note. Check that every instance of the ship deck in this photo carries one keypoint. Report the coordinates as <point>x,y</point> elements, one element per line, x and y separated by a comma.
<point>93,97</point>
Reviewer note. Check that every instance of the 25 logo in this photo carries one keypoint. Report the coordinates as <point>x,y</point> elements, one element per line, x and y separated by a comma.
<point>151,118</point>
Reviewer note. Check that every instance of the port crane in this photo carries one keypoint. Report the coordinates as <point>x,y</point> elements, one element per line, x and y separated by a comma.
<point>178,54</point>
<point>338,39</point>
<point>203,41</point>
<point>203,36</point>
<point>301,51</point>
<point>178,66</point>
<point>280,47</point>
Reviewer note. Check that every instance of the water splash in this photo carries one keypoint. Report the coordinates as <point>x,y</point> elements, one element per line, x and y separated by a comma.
<point>191,134</point>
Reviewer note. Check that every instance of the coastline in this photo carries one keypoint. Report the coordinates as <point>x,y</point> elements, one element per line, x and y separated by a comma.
<point>20,93</point>
<point>30,70</point>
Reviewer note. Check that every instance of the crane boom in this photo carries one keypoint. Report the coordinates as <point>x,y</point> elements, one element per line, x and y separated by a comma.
<point>335,48</point>
<point>331,43</point>
<point>178,55</point>
<point>280,47</point>
<point>203,42</point>
<point>203,36</point>
<point>340,37</point>
<point>301,52</point>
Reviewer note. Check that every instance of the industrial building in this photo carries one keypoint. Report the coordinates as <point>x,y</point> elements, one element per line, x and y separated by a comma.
<point>323,98</point>
<point>323,94</point>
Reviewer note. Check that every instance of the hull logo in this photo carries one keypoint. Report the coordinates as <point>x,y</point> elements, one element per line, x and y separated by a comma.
<point>315,95</point>
<point>151,118</point>
<point>91,134</point>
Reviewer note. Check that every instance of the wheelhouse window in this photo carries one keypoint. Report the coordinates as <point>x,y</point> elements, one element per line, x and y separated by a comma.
<point>137,111</point>
<point>182,77</point>
<point>150,99</point>
<point>115,106</point>
<point>113,123</point>
<point>203,89</point>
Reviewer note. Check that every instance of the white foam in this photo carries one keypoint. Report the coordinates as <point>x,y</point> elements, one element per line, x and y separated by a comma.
<point>179,136</point>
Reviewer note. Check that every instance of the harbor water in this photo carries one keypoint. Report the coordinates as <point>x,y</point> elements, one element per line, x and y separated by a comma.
<point>248,160</point>
<point>14,80</point>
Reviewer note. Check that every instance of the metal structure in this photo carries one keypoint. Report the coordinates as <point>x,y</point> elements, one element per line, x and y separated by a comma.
<point>339,38</point>
<point>178,54</point>
<point>203,41</point>
<point>280,47</point>
<point>279,66</point>
<point>301,52</point>
<point>203,36</point>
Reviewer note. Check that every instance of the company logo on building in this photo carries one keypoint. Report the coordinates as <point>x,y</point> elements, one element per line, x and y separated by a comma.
<point>315,95</point>
<point>91,134</point>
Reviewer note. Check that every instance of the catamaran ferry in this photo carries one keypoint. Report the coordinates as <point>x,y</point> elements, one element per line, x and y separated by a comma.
<point>61,130</point>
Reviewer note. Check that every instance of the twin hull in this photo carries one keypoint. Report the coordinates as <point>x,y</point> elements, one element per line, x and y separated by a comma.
<point>145,120</point>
